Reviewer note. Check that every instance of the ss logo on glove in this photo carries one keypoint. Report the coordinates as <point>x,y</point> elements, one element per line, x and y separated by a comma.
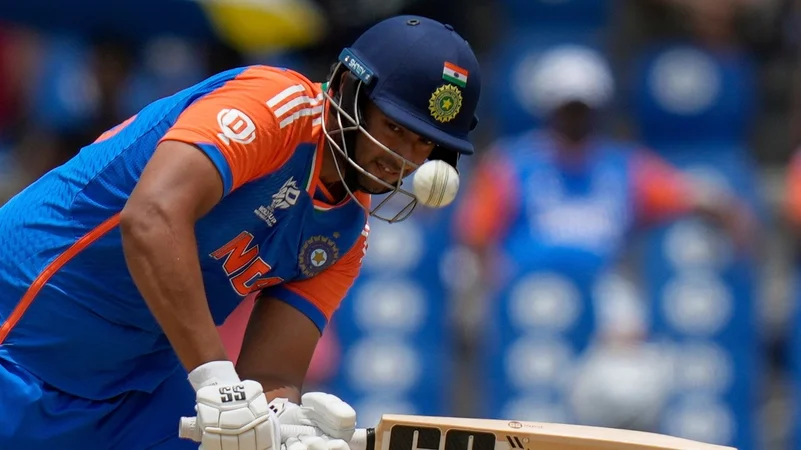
<point>229,394</point>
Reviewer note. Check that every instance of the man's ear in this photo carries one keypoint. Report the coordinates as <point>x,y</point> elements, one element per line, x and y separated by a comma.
<point>341,80</point>
<point>342,77</point>
<point>368,110</point>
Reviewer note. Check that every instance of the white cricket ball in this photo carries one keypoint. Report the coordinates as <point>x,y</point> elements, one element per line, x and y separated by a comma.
<point>436,183</point>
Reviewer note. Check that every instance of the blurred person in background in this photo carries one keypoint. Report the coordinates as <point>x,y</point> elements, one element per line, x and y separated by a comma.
<point>710,23</point>
<point>568,196</point>
<point>722,25</point>
<point>50,108</point>
<point>791,214</point>
<point>565,199</point>
<point>26,150</point>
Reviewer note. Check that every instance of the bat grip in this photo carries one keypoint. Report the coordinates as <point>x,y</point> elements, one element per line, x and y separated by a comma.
<point>363,439</point>
<point>188,429</point>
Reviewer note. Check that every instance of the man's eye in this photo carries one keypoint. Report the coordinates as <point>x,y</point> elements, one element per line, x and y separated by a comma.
<point>393,127</point>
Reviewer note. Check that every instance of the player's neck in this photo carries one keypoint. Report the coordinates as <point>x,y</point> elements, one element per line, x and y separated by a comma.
<point>329,175</point>
<point>328,171</point>
<point>571,153</point>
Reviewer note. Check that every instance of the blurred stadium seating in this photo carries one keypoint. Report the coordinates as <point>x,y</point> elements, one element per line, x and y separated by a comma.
<point>710,86</point>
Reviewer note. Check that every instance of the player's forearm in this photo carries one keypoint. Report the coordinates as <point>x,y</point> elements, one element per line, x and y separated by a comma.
<point>721,209</point>
<point>161,253</point>
<point>276,389</point>
<point>276,385</point>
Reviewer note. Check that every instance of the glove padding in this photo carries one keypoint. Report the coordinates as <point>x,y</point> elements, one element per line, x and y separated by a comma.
<point>335,418</point>
<point>236,417</point>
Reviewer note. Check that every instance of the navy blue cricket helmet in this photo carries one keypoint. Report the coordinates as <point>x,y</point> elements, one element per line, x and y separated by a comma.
<point>420,73</point>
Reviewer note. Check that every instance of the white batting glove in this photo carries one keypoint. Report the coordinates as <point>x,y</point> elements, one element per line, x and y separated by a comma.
<point>328,413</point>
<point>232,414</point>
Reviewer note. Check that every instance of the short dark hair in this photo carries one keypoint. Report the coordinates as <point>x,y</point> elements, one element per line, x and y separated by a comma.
<point>332,70</point>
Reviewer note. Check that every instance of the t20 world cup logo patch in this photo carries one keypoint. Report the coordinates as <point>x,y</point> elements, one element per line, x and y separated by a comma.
<point>317,253</point>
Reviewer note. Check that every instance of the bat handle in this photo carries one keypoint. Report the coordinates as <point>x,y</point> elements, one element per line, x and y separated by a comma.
<point>362,437</point>
<point>188,429</point>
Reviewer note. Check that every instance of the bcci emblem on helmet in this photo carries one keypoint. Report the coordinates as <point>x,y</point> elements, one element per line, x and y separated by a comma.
<point>317,253</point>
<point>445,103</point>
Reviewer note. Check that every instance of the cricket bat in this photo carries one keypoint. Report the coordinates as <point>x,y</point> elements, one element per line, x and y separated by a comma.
<point>407,432</point>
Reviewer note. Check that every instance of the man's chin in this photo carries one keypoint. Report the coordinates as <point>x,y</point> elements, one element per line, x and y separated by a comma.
<point>381,190</point>
<point>371,187</point>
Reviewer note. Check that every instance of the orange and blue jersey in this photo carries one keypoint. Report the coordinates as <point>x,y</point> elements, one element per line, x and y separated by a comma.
<point>558,223</point>
<point>71,314</point>
<point>546,212</point>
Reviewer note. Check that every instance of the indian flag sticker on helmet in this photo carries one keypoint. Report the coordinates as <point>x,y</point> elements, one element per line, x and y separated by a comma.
<point>455,74</point>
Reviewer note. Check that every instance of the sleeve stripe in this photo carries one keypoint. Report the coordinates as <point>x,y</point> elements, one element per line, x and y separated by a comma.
<point>219,161</point>
<point>297,101</point>
<point>283,95</point>
<point>316,111</point>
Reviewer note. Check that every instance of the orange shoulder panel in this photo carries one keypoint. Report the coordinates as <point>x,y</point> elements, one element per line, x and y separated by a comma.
<point>254,122</point>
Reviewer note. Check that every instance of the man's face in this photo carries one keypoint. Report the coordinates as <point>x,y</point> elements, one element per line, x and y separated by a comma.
<point>380,163</point>
<point>575,121</point>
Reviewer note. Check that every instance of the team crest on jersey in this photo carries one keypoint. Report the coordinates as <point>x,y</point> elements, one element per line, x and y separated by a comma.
<point>317,253</point>
<point>286,197</point>
<point>445,103</point>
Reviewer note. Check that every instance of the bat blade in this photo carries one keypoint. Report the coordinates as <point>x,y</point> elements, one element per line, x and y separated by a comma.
<point>407,432</point>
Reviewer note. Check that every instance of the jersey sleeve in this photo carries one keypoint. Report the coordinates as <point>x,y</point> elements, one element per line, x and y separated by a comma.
<point>320,296</point>
<point>489,205</point>
<point>248,127</point>
<point>661,192</point>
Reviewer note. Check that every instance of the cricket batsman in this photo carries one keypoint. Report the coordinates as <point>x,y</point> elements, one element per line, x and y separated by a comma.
<point>116,267</point>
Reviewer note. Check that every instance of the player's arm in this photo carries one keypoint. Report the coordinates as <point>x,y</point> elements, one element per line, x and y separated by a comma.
<point>178,186</point>
<point>663,193</point>
<point>277,332</point>
<point>287,322</point>
<point>488,207</point>
<point>218,143</point>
